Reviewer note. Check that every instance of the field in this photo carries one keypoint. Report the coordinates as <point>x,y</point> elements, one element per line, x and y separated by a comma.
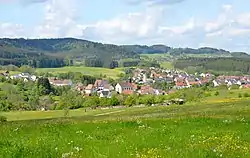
<point>93,71</point>
<point>167,65</point>
<point>216,127</point>
<point>165,60</point>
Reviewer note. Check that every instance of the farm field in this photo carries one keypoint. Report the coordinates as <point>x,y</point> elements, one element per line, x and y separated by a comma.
<point>162,58</point>
<point>191,130</point>
<point>93,71</point>
<point>167,65</point>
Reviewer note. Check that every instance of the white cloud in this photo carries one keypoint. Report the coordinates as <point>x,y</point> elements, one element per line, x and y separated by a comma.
<point>244,20</point>
<point>130,27</point>
<point>154,2</point>
<point>59,20</point>
<point>229,30</point>
<point>11,30</point>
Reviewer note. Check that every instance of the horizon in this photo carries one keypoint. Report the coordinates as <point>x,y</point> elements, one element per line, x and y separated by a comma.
<point>121,44</point>
<point>175,23</point>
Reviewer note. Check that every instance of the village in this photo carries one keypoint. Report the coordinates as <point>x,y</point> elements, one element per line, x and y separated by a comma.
<point>143,81</point>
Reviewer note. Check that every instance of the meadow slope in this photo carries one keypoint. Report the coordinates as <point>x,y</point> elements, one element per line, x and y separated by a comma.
<point>192,130</point>
<point>92,71</point>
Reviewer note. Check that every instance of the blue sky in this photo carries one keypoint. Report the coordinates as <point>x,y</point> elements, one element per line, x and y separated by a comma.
<point>177,23</point>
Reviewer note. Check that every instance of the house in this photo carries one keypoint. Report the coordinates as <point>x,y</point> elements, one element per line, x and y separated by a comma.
<point>57,82</point>
<point>99,84</point>
<point>181,83</point>
<point>216,83</point>
<point>24,76</point>
<point>146,90</point>
<point>103,85</point>
<point>192,81</point>
<point>89,89</point>
<point>80,87</point>
<point>5,74</point>
<point>124,86</point>
<point>245,86</point>
<point>219,82</point>
<point>105,94</point>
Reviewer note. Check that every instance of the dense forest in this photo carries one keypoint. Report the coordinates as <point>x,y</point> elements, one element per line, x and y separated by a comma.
<point>215,64</point>
<point>63,51</point>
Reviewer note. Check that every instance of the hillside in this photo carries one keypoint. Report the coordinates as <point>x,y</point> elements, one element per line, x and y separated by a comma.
<point>60,52</point>
<point>235,66</point>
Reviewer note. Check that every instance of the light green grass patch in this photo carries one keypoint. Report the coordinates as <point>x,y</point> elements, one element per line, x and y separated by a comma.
<point>167,65</point>
<point>93,71</point>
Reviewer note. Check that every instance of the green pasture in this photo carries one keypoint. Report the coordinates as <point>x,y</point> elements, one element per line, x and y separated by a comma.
<point>93,71</point>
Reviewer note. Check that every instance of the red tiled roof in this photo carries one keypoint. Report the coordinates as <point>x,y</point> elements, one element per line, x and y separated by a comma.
<point>126,84</point>
<point>180,83</point>
<point>204,81</point>
<point>246,86</point>
<point>134,86</point>
<point>128,92</point>
<point>194,83</point>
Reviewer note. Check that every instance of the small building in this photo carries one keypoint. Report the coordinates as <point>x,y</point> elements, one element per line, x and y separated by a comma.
<point>89,89</point>
<point>105,94</point>
<point>57,82</point>
<point>145,90</point>
<point>124,86</point>
<point>24,76</point>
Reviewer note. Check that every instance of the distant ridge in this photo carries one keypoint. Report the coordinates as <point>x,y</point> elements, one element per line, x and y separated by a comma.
<point>58,49</point>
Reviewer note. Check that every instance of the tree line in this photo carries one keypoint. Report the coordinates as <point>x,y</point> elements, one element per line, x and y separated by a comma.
<point>215,64</point>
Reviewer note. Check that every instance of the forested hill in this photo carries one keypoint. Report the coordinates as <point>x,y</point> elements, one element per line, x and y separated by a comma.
<point>57,52</point>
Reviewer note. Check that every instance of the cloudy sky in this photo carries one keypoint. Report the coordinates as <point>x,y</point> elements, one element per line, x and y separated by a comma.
<point>177,23</point>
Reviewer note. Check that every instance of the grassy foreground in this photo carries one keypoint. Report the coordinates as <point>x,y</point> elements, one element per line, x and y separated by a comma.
<point>93,71</point>
<point>200,130</point>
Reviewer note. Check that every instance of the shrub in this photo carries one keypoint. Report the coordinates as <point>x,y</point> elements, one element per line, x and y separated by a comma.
<point>239,95</point>
<point>3,119</point>
<point>130,100</point>
<point>207,94</point>
<point>246,95</point>
<point>217,93</point>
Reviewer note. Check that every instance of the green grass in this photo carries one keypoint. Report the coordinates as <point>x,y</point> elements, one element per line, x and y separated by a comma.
<point>192,130</point>
<point>93,71</point>
<point>167,65</point>
<point>11,72</point>
<point>163,59</point>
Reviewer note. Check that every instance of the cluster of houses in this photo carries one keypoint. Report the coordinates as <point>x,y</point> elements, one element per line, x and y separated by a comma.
<point>23,76</point>
<point>104,89</point>
<point>142,80</point>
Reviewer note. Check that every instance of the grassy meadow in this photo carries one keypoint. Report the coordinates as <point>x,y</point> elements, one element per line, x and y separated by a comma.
<point>167,65</point>
<point>202,129</point>
<point>92,71</point>
<point>163,59</point>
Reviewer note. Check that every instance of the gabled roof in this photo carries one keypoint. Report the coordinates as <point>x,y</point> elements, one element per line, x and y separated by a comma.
<point>56,81</point>
<point>126,84</point>
<point>181,83</point>
<point>89,87</point>
<point>100,83</point>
